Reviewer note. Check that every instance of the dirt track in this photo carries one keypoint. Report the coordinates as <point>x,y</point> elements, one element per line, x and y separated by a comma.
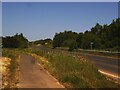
<point>32,75</point>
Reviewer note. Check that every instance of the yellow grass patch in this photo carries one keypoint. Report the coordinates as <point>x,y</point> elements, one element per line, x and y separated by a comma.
<point>4,63</point>
<point>39,58</point>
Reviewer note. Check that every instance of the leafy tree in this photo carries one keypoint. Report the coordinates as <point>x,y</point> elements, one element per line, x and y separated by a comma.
<point>60,39</point>
<point>72,45</point>
<point>103,37</point>
<point>79,40</point>
<point>16,41</point>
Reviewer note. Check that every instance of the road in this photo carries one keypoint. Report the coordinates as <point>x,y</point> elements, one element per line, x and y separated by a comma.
<point>32,75</point>
<point>105,64</point>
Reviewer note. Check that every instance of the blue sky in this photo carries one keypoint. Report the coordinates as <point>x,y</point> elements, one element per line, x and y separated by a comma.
<point>60,0</point>
<point>0,19</point>
<point>42,20</point>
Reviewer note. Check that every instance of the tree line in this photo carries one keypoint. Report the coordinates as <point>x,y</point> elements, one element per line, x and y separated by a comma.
<point>16,41</point>
<point>105,37</point>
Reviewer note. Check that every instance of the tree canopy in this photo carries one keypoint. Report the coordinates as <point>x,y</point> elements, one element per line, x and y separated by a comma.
<point>16,41</point>
<point>102,36</point>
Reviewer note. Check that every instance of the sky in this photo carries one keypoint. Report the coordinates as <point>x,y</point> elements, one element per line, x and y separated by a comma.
<point>40,20</point>
<point>0,19</point>
<point>60,0</point>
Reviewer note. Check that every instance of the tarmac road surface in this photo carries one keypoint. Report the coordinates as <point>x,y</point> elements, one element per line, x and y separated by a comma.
<point>108,66</point>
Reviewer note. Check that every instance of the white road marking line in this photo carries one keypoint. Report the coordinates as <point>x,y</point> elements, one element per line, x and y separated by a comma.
<point>109,74</point>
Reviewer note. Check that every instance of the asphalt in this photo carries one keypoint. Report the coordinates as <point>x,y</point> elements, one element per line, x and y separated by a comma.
<point>33,75</point>
<point>106,64</point>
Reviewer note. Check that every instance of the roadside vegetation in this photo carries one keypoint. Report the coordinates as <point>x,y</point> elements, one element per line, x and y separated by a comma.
<point>71,71</point>
<point>12,46</point>
<point>10,78</point>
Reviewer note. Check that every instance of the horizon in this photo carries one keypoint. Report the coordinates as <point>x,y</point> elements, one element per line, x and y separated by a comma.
<point>54,33</point>
<point>42,20</point>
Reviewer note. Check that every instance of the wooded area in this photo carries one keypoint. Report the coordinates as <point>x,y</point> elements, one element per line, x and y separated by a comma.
<point>103,37</point>
<point>16,41</point>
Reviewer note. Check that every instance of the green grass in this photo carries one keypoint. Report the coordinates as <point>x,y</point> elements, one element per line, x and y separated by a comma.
<point>71,71</point>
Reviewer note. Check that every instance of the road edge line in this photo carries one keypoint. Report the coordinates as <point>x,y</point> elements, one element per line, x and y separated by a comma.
<point>108,74</point>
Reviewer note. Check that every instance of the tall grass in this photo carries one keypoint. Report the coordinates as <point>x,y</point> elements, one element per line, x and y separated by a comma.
<point>73,72</point>
<point>12,76</point>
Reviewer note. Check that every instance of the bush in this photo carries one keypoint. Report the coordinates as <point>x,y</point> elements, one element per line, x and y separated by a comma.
<point>73,45</point>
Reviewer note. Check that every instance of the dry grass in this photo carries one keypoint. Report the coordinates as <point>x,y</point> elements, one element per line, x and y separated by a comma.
<point>71,71</point>
<point>4,70</point>
<point>10,68</point>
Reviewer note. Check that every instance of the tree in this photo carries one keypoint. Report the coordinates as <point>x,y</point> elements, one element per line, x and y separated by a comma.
<point>72,45</point>
<point>60,39</point>
<point>79,40</point>
<point>16,41</point>
<point>103,36</point>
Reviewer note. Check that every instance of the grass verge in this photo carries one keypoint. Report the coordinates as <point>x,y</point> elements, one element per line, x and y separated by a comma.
<point>10,80</point>
<point>71,71</point>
